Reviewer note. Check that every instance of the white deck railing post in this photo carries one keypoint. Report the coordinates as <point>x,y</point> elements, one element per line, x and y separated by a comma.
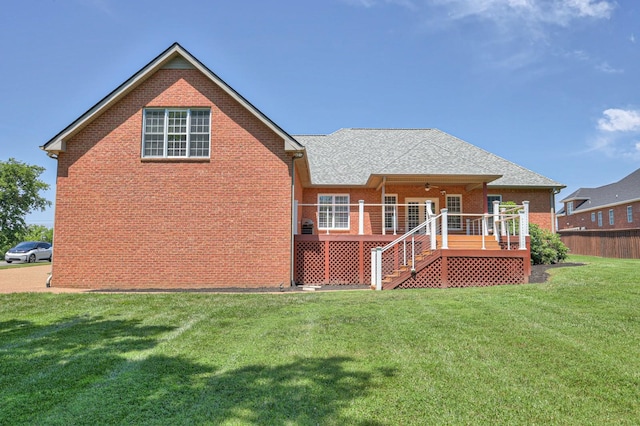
<point>361,217</point>
<point>374,267</point>
<point>504,226</point>
<point>404,252</point>
<point>496,217</point>
<point>523,236</point>
<point>432,225</point>
<point>379,268</point>
<point>445,229</point>
<point>413,252</point>
<point>395,219</point>
<point>484,231</point>
<point>526,217</point>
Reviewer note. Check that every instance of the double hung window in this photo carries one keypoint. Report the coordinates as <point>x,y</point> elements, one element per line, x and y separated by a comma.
<point>629,214</point>
<point>176,133</point>
<point>333,211</point>
<point>454,209</point>
<point>391,212</point>
<point>611,218</point>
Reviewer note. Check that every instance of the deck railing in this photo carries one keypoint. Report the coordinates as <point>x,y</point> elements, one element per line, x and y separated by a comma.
<point>396,219</point>
<point>422,239</point>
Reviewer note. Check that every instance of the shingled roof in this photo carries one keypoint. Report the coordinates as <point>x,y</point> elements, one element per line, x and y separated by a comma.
<point>624,191</point>
<point>353,156</point>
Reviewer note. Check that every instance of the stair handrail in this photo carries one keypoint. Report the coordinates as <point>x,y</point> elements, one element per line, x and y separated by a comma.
<point>429,225</point>
<point>411,232</point>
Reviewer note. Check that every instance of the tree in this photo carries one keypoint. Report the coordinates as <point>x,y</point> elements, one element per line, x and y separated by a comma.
<point>546,247</point>
<point>20,189</point>
<point>38,233</point>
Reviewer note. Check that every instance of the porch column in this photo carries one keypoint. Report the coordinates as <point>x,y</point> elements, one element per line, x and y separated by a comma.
<point>383,194</point>
<point>485,196</point>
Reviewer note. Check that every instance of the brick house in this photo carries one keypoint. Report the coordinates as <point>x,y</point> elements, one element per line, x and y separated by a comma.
<point>612,206</point>
<point>174,180</point>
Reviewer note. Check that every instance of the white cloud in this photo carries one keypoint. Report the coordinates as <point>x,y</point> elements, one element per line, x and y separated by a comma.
<point>617,136</point>
<point>557,12</point>
<point>619,120</point>
<point>608,69</point>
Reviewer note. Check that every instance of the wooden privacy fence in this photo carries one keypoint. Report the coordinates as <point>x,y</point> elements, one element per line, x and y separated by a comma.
<point>620,243</point>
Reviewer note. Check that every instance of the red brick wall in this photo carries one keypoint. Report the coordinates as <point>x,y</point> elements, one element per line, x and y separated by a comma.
<point>122,222</point>
<point>583,219</point>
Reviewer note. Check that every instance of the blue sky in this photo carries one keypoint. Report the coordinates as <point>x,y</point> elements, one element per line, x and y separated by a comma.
<point>549,84</point>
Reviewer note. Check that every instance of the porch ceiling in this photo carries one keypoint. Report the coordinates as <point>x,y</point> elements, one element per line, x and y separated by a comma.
<point>469,181</point>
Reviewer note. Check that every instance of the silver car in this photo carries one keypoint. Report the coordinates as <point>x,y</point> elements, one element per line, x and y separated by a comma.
<point>29,251</point>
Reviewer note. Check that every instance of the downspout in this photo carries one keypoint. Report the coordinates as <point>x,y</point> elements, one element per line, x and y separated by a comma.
<point>55,208</point>
<point>293,215</point>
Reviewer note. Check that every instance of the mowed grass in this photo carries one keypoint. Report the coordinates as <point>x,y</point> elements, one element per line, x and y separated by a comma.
<point>563,352</point>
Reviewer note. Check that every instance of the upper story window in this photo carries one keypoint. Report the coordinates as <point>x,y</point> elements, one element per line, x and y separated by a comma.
<point>599,218</point>
<point>629,214</point>
<point>333,211</point>
<point>570,208</point>
<point>176,133</point>
<point>593,217</point>
<point>611,220</point>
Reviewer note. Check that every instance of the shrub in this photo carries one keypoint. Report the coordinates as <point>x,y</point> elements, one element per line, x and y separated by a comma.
<point>546,247</point>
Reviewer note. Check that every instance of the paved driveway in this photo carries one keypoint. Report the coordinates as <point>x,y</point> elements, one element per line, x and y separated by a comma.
<point>30,279</point>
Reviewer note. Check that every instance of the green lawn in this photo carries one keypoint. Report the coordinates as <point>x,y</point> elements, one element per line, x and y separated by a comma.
<point>564,352</point>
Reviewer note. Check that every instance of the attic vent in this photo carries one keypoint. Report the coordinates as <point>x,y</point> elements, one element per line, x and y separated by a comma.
<point>178,63</point>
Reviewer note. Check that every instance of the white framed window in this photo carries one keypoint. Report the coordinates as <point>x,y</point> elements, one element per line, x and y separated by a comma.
<point>611,220</point>
<point>333,211</point>
<point>391,211</point>
<point>599,218</point>
<point>593,216</point>
<point>629,214</point>
<point>570,208</point>
<point>176,133</point>
<point>454,208</point>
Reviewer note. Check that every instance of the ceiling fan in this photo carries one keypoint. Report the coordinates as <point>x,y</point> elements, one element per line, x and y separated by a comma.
<point>428,186</point>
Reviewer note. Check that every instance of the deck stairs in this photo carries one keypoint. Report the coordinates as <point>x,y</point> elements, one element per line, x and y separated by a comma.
<point>425,258</point>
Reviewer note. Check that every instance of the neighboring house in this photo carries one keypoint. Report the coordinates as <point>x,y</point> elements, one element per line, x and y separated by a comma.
<point>174,180</point>
<point>612,206</point>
